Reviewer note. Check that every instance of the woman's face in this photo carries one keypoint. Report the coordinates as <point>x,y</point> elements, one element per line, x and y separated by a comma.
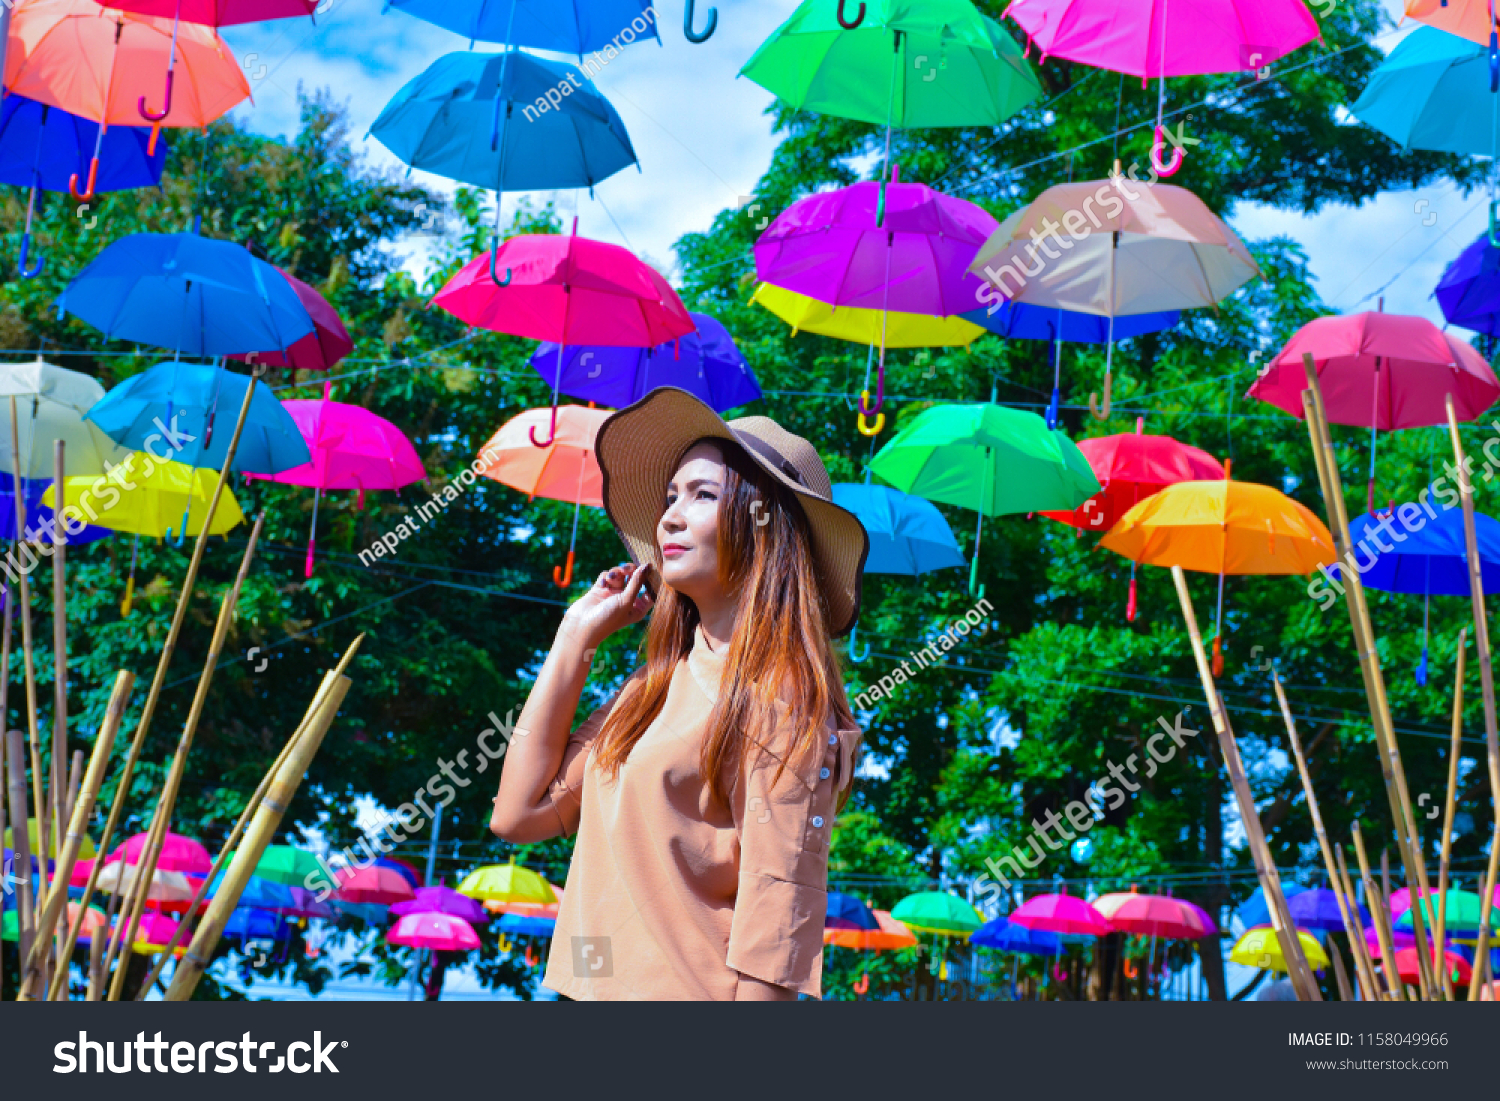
<point>688,532</point>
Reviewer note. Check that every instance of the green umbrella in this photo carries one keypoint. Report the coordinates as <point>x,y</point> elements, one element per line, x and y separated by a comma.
<point>937,912</point>
<point>10,928</point>
<point>286,865</point>
<point>988,458</point>
<point>1462,912</point>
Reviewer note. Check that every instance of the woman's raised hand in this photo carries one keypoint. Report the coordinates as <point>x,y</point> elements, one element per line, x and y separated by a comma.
<point>614,601</point>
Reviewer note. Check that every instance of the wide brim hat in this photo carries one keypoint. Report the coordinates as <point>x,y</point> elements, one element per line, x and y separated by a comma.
<point>640,447</point>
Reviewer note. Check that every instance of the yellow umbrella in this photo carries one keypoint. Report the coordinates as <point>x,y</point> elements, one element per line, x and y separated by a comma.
<point>1260,948</point>
<point>507,883</point>
<point>86,850</point>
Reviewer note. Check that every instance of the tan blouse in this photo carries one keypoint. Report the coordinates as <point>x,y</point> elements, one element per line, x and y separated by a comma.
<point>670,894</point>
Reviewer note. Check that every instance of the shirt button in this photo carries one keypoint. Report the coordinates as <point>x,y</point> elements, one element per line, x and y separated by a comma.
<point>823,774</point>
<point>818,821</point>
<point>833,739</point>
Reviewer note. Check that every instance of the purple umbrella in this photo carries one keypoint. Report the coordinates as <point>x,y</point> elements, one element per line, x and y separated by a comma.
<point>705,363</point>
<point>305,904</point>
<point>1319,911</point>
<point>901,247</point>
<point>1469,291</point>
<point>441,900</point>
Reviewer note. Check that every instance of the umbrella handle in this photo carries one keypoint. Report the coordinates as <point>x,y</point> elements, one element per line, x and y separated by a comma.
<point>1131,968</point>
<point>494,262</point>
<point>864,395</point>
<point>562,576</point>
<point>687,24</point>
<point>866,429</point>
<point>551,433</point>
<point>1218,662</point>
<point>1494,216</point>
<point>151,116</point>
<point>859,17</point>
<point>504,943</point>
<point>125,604</point>
<point>974,578</point>
<point>863,985</point>
<point>854,654</point>
<point>30,273</point>
<point>85,196</point>
<point>1094,410</point>
<point>1158,146</point>
<point>532,961</point>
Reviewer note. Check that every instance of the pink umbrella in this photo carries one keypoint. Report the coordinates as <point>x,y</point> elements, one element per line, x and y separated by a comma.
<point>1381,371</point>
<point>351,448</point>
<point>1062,914</point>
<point>1154,38</point>
<point>569,290</point>
<point>373,885</point>
<point>440,932</point>
<point>1400,938</point>
<point>1203,916</point>
<point>178,854</point>
<point>320,349</point>
<point>1153,916</point>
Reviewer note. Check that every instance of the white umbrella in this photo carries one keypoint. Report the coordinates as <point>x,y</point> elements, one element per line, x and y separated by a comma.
<point>50,404</point>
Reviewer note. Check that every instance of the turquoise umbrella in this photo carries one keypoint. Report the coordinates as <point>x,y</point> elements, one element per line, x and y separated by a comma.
<point>1434,92</point>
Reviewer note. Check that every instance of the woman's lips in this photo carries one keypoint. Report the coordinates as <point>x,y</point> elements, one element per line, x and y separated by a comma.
<point>673,550</point>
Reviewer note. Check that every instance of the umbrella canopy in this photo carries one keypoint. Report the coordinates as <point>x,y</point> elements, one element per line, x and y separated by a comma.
<point>1223,527</point>
<point>1462,911</point>
<point>525,925</point>
<point>1020,321</point>
<point>988,458</point>
<point>1152,916</point>
<point>1254,911</point>
<point>574,28</point>
<point>1400,938</point>
<point>1131,467</point>
<point>1005,935</point>
<point>439,123</point>
<point>528,909</point>
<point>440,932</point>
<point>151,498</point>
<point>706,363</point>
<point>254,923</point>
<point>848,912</point>
<point>1061,914</point>
<point>442,900</point>
<point>937,912</point>
<point>1134,249</point>
<point>814,63</point>
<point>219,13</point>
<point>351,448</point>
<point>860,326</point>
<point>1469,291</point>
<point>1432,92</point>
<point>1408,965</point>
<point>155,932</point>
<point>1432,559</point>
<point>39,516</point>
<point>888,935</point>
<point>372,886</point>
<point>259,894</point>
<point>1471,19</point>
<point>86,850</point>
<point>507,883</point>
<point>305,904</point>
<point>402,868</point>
<point>193,409</point>
<point>908,535</point>
<point>191,294</point>
<point>1152,38</point>
<point>1318,910</point>
<point>328,343</point>
<point>178,854</point>
<point>47,147</point>
<point>168,889</point>
<point>570,290</point>
<point>51,402</point>
<point>284,864</point>
<point>567,469</point>
<point>1380,370</point>
<point>1260,948</point>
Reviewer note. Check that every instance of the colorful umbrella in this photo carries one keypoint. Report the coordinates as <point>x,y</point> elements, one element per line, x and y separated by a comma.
<point>1022,321</point>
<point>574,28</point>
<point>859,326</point>
<point>988,458</point>
<point>1253,911</point>
<point>847,912</point>
<point>351,448</point>
<point>1144,38</point>
<point>52,402</point>
<point>43,148</point>
<point>1462,910</point>
<point>254,923</point>
<point>154,933</point>
<point>1433,91</point>
<point>305,904</point>
<point>1401,938</point>
<point>191,294</point>
<point>1005,935</point>
<point>706,363</point>
<point>259,894</point>
<point>328,343</point>
<point>888,935</point>
<point>1469,291</point>
<point>373,885</point>
<point>98,64</point>
<point>937,912</point>
<point>177,854</point>
<point>1408,965</point>
<point>170,890</point>
<point>86,850</point>
<point>524,925</point>
<point>1260,948</point>
<point>402,868</point>
<point>1471,19</point>
<point>566,469</point>
<point>528,909</point>
<point>507,883</point>
<point>1152,916</point>
<point>439,932</point>
<point>38,517</point>
<point>1061,914</point>
<point>1319,911</point>
<point>442,900</point>
<point>284,864</point>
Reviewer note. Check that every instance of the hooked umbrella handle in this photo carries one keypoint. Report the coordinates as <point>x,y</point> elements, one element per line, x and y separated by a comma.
<point>29,273</point>
<point>851,24</point>
<point>704,35</point>
<point>562,576</point>
<point>151,116</point>
<point>84,196</point>
<point>551,433</point>
<point>866,429</point>
<point>125,604</point>
<point>1158,147</point>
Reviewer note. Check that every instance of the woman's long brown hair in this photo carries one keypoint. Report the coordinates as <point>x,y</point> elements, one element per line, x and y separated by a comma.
<point>779,648</point>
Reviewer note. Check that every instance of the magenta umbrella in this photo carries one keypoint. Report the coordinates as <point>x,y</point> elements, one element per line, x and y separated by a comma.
<point>569,290</point>
<point>877,246</point>
<point>439,932</point>
<point>351,448</point>
<point>373,885</point>
<point>443,900</point>
<point>320,349</point>
<point>178,854</point>
<point>1381,371</point>
<point>1062,914</point>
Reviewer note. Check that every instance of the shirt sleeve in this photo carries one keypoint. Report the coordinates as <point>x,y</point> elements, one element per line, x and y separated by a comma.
<point>784,828</point>
<point>566,789</point>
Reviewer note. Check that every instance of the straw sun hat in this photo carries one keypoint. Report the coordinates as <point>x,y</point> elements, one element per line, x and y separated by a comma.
<point>640,447</point>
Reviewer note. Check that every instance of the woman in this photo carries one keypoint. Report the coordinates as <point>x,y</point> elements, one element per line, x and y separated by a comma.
<point>703,792</point>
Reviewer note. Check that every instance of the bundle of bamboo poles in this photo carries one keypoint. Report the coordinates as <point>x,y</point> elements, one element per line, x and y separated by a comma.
<point>62,800</point>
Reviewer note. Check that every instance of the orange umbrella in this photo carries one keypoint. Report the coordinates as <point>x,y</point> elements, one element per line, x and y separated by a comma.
<point>103,65</point>
<point>565,470</point>
<point>891,934</point>
<point>528,909</point>
<point>1471,19</point>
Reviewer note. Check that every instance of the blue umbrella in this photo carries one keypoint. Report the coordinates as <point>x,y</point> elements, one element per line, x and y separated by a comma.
<point>1023,321</point>
<point>848,912</point>
<point>524,925</point>
<point>1469,291</point>
<point>440,120</point>
<point>1006,936</point>
<point>259,894</point>
<point>578,27</point>
<point>192,294</point>
<point>705,363</point>
<point>191,409</point>
<point>252,924</point>
<point>38,516</point>
<point>1253,910</point>
<point>45,148</point>
<point>1318,910</point>
<point>1434,91</point>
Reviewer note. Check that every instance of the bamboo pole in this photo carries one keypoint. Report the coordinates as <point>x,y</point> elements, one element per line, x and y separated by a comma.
<point>83,810</point>
<point>75,782</point>
<point>15,760</point>
<point>37,796</point>
<point>233,839</point>
<point>148,711</point>
<point>156,838</point>
<point>1381,915</point>
<point>263,827</point>
<point>1449,807</point>
<point>1348,909</point>
<point>1340,975</point>
<point>1394,775</point>
<point>1265,867</point>
<point>1360,948</point>
<point>96,961</point>
<point>59,778</point>
<point>1482,949</point>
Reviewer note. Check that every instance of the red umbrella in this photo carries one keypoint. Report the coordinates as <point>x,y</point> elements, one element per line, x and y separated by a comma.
<point>320,349</point>
<point>1380,371</point>
<point>569,290</point>
<point>1407,962</point>
<point>1062,914</point>
<point>373,885</point>
<point>1153,916</point>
